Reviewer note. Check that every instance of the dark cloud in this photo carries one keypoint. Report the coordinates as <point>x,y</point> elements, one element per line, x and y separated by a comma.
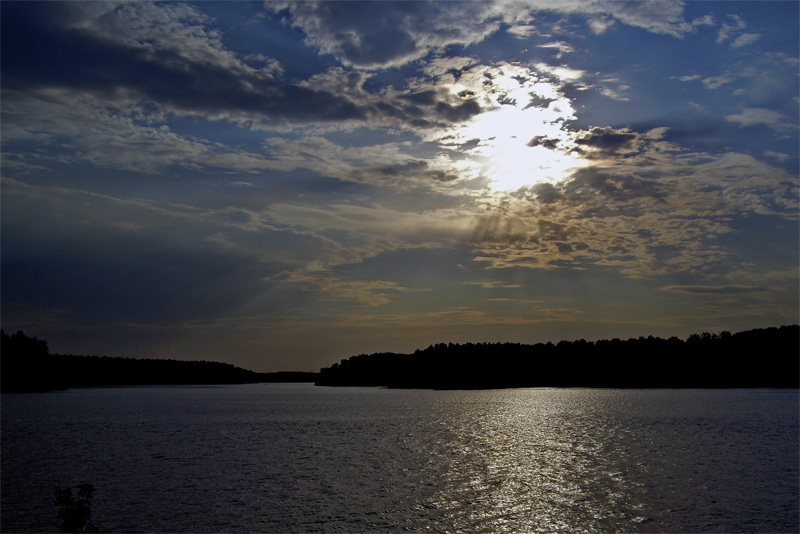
<point>36,55</point>
<point>441,176</point>
<point>542,140</point>
<point>590,183</point>
<point>422,98</point>
<point>403,169</point>
<point>505,100</point>
<point>458,112</point>
<point>366,33</point>
<point>546,193</point>
<point>469,145</point>
<point>608,140</point>
<point>409,169</point>
<point>426,109</point>
<point>538,102</point>
<point>382,34</point>
<point>423,110</point>
<point>552,231</point>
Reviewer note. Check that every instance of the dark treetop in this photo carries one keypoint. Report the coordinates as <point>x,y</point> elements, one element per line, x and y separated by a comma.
<point>756,358</point>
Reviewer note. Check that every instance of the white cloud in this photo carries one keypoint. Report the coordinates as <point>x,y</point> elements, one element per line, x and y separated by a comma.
<point>370,293</point>
<point>745,39</point>
<point>776,155</point>
<point>698,107</point>
<point>715,82</point>
<point>173,27</point>
<point>728,30</point>
<point>733,30</point>
<point>330,159</point>
<point>363,231</point>
<point>381,34</point>
<point>656,16</point>
<point>706,20</point>
<point>522,31</point>
<point>760,117</point>
<point>561,46</point>
<point>615,94</point>
<point>563,73</point>
<point>599,25</point>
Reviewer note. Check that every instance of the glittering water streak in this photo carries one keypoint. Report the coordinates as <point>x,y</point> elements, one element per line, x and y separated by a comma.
<point>295,458</point>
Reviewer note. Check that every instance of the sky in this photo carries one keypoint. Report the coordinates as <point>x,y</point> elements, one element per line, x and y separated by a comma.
<point>281,185</point>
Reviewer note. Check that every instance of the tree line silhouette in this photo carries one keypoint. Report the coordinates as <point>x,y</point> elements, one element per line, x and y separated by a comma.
<point>768,357</point>
<point>27,365</point>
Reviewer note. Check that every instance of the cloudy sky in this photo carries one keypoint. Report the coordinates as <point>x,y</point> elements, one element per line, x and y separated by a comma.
<point>282,185</point>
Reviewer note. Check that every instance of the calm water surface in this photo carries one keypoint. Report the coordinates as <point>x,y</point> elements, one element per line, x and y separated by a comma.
<point>299,458</point>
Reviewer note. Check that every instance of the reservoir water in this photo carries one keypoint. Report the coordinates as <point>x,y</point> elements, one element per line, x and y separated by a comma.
<point>299,458</point>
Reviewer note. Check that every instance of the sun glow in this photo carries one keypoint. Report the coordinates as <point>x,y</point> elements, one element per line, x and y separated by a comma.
<point>520,147</point>
<point>523,139</point>
<point>512,159</point>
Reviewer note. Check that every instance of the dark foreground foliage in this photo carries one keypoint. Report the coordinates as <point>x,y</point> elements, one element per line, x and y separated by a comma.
<point>75,514</point>
<point>767,357</point>
<point>27,365</point>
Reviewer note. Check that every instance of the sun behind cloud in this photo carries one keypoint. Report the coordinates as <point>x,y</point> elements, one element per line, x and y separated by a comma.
<point>522,139</point>
<point>511,158</point>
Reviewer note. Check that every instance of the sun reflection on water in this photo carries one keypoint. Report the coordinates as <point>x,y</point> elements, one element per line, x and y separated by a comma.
<point>528,466</point>
<point>295,458</point>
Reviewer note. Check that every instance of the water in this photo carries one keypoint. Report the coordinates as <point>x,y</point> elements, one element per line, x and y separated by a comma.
<point>299,458</point>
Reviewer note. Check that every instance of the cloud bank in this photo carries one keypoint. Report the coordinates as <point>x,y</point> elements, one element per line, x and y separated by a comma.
<point>353,176</point>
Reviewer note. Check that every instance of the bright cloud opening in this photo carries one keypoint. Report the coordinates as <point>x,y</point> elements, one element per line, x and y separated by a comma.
<point>523,139</point>
<point>519,148</point>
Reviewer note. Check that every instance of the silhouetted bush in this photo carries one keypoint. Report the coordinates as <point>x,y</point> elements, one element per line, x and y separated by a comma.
<point>75,514</point>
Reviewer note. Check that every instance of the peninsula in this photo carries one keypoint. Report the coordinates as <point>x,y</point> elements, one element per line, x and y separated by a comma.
<point>26,365</point>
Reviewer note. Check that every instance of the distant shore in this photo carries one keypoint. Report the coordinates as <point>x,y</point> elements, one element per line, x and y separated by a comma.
<point>26,365</point>
<point>760,358</point>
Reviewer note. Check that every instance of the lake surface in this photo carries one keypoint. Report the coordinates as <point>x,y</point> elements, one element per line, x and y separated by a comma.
<point>299,458</point>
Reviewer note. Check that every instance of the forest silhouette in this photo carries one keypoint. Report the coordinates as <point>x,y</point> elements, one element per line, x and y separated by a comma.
<point>26,365</point>
<point>768,357</point>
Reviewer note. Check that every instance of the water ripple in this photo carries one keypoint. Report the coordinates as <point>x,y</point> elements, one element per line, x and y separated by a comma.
<point>290,458</point>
